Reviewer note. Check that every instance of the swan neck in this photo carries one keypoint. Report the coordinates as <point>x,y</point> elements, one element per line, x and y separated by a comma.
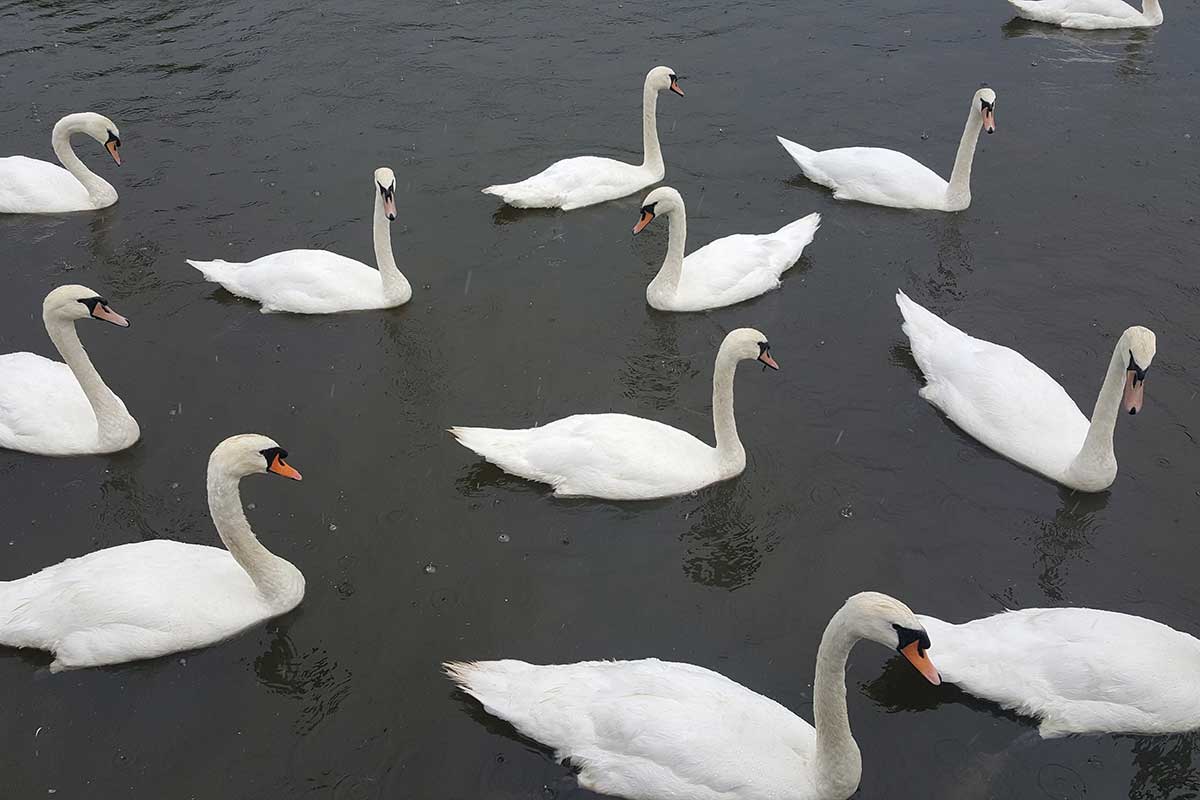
<point>958,194</point>
<point>731,456</point>
<point>667,280</point>
<point>839,763</point>
<point>274,577</point>
<point>107,407</point>
<point>1097,447</point>
<point>1152,11</point>
<point>395,286</point>
<point>99,190</point>
<point>651,152</point>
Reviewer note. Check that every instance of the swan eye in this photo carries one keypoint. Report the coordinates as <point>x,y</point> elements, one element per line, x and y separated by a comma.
<point>908,636</point>
<point>1139,374</point>
<point>112,137</point>
<point>763,347</point>
<point>91,302</point>
<point>986,106</point>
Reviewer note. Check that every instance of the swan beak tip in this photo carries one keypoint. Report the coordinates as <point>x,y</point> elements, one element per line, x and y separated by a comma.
<point>766,359</point>
<point>917,657</point>
<point>108,315</point>
<point>281,467</point>
<point>111,147</point>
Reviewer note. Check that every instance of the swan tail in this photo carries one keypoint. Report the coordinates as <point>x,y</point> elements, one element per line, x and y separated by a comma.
<point>922,326</point>
<point>801,232</point>
<point>503,687</point>
<point>522,195</point>
<point>504,448</point>
<point>802,155</point>
<point>1029,9</point>
<point>217,271</point>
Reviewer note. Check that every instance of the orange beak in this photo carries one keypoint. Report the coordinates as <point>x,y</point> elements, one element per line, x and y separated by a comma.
<point>111,147</point>
<point>647,217</point>
<point>281,467</point>
<point>108,315</point>
<point>675,87</point>
<point>916,656</point>
<point>1134,389</point>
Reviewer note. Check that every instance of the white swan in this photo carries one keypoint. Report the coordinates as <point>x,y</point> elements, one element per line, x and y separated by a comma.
<point>56,409</point>
<point>148,599</point>
<point>1077,670</point>
<point>888,178</point>
<point>1090,15</point>
<point>318,281</point>
<point>724,271</point>
<point>999,397</point>
<point>587,180</point>
<point>621,457</point>
<point>657,730</point>
<point>31,186</point>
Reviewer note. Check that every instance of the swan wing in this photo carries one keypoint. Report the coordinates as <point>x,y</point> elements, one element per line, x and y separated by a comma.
<point>28,185</point>
<point>994,393</point>
<point>300,281</point>
<point>1102,12</point>
<point>1077,670</point>
<point>877,175</point>
<point>43,408</point>
<point>575,183</point>
<point>649,728</point>
<point>614,456</point>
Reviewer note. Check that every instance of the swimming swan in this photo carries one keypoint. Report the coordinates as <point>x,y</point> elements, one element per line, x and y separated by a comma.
<point>1090,15</point>
<point>32,186</point>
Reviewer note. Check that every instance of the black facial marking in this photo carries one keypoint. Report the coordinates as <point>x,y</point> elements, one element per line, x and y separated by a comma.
<point>271,452</point>
<point>763,347</point>
<point>386,191</point>
<point>908,636</point>
<point>674,77</point>
<point>649,209</point>
<point>1139,374</point>
<point>986,106</point>
<point>112,137</point>
<point>91,303</point>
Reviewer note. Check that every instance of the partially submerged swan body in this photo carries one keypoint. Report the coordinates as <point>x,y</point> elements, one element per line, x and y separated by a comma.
<point>1012,406</point>
<point>318,281</point>
<point>1090,15</point>
<point>54,408</point>
<point>724,271</point>
<point>33,186</point>
<point>658,730</point>
<point>621,457</point>
<point>1076,670</point>
<point>889,178</point>
<point>587,180</point>
<point>151,598</point>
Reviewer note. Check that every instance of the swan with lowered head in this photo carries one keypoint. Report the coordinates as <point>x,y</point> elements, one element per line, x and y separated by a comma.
<point>63,409</point>
<point>622,457</point>
<point>148,599</point>
<point>889,178</point>
<point>1003,400</point>
<point>1090,15</point>
<point>724,271</point>
<point>657,730</point>
<point>32,186</point>
<point>1076,670</point>
<point>587,180</point>
<point>318,281</point>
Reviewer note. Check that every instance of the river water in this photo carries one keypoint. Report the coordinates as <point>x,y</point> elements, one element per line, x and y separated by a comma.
<point>249,128</point>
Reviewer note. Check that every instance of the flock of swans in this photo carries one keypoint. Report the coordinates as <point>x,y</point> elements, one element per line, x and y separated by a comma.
<point>648,729</point>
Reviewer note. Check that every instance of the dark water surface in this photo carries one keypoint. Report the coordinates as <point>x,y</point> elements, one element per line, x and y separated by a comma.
<point>254,127</point>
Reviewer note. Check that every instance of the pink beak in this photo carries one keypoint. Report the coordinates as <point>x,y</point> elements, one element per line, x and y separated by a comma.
<point>989,120</point>
<point>108,315</point>
<point>1134,389</point>
<point>389,206</point>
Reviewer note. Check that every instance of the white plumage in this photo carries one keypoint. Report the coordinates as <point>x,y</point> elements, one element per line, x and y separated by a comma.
<point>889,178</point>
<point>32,186</point>
<point>1076,670</point>
<point>1090,14</point>
<point>1012,406</point>
<point>148,599</point>
<point>722,272</point>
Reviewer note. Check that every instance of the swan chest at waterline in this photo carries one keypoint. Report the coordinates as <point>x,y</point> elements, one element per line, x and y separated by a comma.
<point>28,185</point>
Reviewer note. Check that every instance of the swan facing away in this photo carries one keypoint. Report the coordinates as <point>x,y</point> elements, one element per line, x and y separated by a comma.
<point>587,180</point>
<point>1090,15</point>
<point>148,599</point>
<point>657,730</point>
<point>1076,670</point>
<point>724,271</point>
<point>63,409</point>
<point>888,178</point>
<point>32,186</point>
<point>318,281</point>
<point>621,457</point>
<point>1012,406</point>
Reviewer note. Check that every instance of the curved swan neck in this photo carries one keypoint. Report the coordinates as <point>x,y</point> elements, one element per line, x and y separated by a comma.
<point>958,193</point>
<point>839,763</point>
<point>730,453</point>
<point>98,189</point>
<point>651,153</point>
<point>1097,450</point>
<point>667,279</point>
<point>105,405</point>
<point>395,286</point>
<point>277,579</point>
<point>1152,11</point>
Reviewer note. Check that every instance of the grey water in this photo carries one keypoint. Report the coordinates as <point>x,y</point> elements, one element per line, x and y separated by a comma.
<point>253,127</point>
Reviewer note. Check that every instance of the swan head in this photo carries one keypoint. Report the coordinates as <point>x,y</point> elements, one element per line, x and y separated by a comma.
<point>251,454</point>
<point>747,343</point>
<point>884,619</point>
<point>72,302</point>
<point>661,78</point>
<point>385,184</point>
<point>662,200</point>
<point>1142,345</point>
<point>985,104</point>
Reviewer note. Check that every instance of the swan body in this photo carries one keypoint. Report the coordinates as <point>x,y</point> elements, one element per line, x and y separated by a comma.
<point>1076,670</point>
<point>1090,14</point>
<point>148,599</point>
<point>587,180</point>
<point>725,271</point>
<point>889,178</point>
<point>658,730</point>
<point>621,457</point>
<point>56,409</point>
<point>31,186</point>
<point>318,281</point>
<point>1009,404</point>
